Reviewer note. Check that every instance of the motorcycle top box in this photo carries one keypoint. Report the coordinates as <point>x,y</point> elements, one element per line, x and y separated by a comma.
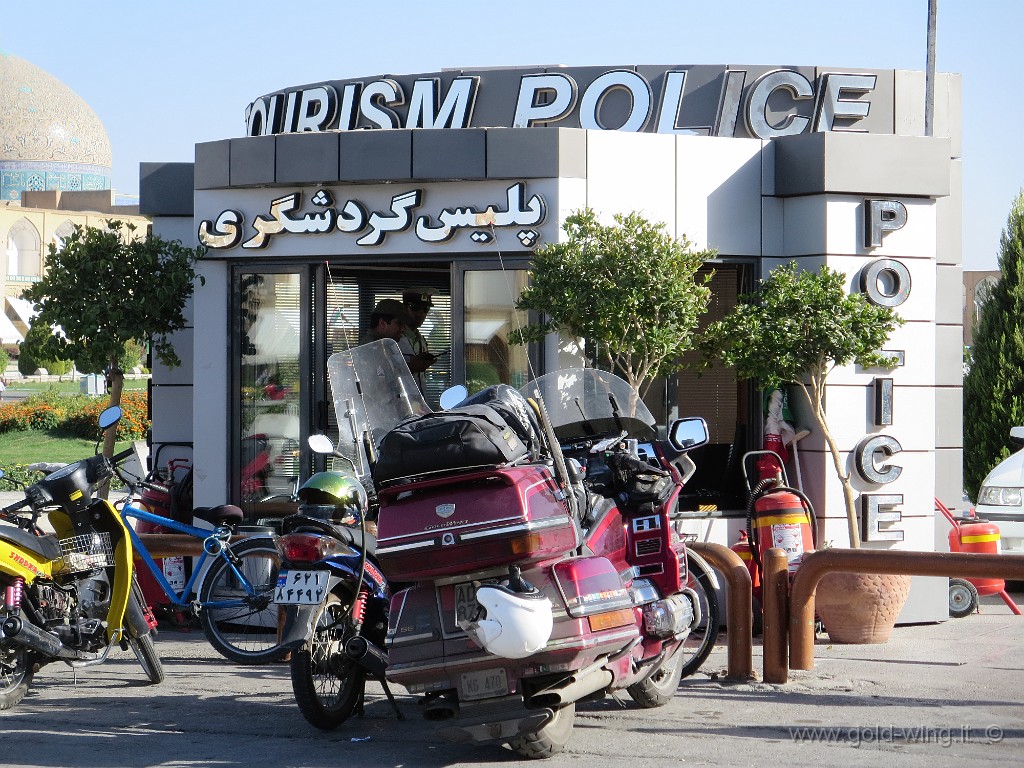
<point>477,520</point>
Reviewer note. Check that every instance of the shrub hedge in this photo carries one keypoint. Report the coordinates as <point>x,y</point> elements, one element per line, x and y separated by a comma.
<point>74,415</point>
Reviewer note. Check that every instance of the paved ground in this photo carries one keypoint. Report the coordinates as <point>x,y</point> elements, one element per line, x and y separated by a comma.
<point>941,694</point>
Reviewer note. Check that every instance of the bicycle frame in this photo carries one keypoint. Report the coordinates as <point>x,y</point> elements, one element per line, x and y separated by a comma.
<point>215,544</point>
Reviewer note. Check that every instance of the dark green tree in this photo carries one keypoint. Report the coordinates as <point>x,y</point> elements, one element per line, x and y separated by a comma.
<point>994,386</point>
<point>798,328</point>
<point>31,356</point>
<point>105,288</point>
<point>630,290</point>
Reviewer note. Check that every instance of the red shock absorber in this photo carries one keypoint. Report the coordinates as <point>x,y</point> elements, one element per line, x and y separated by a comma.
<point>12,595</point>
<point>359,607</point>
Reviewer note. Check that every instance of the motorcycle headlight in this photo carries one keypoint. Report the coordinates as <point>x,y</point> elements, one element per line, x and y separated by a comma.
<point>999,496</point>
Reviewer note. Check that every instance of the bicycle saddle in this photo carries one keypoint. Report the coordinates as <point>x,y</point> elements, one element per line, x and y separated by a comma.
<point>223,514</point>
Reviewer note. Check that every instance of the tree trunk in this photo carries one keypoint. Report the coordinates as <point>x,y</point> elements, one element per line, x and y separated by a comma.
<point>116,384</point>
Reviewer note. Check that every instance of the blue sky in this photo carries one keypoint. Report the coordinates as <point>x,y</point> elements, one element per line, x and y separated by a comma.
<point>163,76</point>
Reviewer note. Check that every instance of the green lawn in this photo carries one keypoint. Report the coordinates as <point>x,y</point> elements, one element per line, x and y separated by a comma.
<point>65,387</point>
<point>34,445</point>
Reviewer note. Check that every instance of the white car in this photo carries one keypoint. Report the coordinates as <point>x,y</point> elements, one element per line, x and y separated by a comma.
<point>1001,498</point>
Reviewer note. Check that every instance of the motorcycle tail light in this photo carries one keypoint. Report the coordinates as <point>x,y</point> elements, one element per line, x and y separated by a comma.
<point>308,547</point>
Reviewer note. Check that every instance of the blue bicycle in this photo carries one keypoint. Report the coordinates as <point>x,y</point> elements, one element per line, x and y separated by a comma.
<point>234,599</point>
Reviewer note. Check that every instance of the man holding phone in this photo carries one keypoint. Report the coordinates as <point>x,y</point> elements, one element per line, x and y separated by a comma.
<point>417,303</point>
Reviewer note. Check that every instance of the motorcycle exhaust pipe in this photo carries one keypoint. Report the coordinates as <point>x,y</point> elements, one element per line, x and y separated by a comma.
<point>574,689</point>
<point>441,708</point>
<point>367,655</point>
<point>30,636</point>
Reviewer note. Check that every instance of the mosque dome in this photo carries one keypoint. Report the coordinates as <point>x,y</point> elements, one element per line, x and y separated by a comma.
<point>49,137</point>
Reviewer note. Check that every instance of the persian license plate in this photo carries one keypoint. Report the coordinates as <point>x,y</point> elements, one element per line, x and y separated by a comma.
<point>301,587</point>
<point>466,606</point>
<point>483,684</point>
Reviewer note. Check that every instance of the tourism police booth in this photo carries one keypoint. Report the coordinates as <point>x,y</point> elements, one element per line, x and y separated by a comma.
<point>345,192</point>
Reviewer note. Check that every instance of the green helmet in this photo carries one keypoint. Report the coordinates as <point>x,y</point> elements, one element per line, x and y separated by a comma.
<point>336,489</point>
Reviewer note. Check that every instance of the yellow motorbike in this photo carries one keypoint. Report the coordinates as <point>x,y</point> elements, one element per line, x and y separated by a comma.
<point>70,595</point>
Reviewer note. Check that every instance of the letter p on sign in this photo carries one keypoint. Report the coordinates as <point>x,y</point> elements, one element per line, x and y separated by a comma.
<point>881,216</point>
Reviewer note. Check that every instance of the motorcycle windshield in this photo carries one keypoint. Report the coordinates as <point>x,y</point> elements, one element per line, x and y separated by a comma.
<point>585,403</point>
<point>373,391</point>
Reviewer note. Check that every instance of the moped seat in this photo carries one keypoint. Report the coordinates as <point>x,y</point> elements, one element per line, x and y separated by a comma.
<point>44,546</point>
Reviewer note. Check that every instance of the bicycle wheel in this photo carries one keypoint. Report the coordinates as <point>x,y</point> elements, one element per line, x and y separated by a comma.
<point>326,683</point>
<point>698,644</point>
<point>236,601</point>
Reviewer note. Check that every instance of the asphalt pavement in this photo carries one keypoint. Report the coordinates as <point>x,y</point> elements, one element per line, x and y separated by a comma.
<point>936,694</point>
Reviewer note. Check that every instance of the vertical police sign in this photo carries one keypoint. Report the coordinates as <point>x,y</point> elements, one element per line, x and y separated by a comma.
<point>885,282</point>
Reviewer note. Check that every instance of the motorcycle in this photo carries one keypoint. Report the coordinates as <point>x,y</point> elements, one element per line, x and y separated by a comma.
<point>70,596</point>
<point>533,531</point>
<point>333,595</point>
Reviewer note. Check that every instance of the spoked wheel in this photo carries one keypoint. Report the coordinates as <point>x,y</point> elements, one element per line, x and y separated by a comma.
<point>658,689</point>
<point>142,645</point>
<point>15,676</point>
<point>701,640</point>
<point>551,738</point>
<point>963,598</point>
<point>238,615</point>
<point>328,685</point>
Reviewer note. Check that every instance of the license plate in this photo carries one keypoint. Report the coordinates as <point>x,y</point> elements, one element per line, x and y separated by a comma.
<point>300,587</point>
<point>483,684</point>
<point>466,606</point>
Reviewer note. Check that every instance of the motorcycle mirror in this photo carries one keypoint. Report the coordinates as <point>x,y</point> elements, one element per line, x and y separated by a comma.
<point>686,434</point>
<point>453,396</point>
<point>110,416</point>
<point>320,444</point>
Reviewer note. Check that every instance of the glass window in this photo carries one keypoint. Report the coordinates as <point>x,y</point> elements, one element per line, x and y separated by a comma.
<point>490,316</point>
<point>270,384</point>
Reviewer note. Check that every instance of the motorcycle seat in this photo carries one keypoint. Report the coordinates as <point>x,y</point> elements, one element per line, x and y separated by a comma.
<point>223,514</point>
<point>346,534</point>
<point>44,546</point>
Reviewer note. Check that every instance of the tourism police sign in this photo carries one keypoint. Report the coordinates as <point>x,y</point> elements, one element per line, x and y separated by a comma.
<point>753,102</point>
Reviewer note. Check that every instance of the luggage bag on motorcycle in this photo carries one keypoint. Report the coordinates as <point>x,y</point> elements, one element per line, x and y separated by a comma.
<point>462,523</point>
<point>461,438</point>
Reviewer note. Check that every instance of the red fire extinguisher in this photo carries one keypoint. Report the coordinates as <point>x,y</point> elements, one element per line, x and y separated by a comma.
<point>742,548</point>
<point>778,515</point>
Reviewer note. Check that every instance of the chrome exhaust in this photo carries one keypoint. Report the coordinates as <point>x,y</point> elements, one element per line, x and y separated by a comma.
<point>367,655</point>
<point>575,688</point>
<point>30,636</point>
<point>440,707</point>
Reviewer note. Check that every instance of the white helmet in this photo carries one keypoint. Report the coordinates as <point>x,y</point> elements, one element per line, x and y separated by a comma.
<point>516,624</point>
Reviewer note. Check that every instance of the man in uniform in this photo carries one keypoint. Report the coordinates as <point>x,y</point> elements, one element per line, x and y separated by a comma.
<point>387,321</point>
<point>417,303</point>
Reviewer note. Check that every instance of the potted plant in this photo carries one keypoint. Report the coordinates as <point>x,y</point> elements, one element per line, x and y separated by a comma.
<point>795,330</point>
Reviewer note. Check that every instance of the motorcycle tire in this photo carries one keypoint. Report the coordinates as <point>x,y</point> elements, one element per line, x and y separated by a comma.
<point>245,629</point>
<point>15,675</point>
<point>145,652</point>
<point>328,686</point>
<point>701,640</point>
<point>142,644</point>
<point>658,689</point>
<point>550,739</point>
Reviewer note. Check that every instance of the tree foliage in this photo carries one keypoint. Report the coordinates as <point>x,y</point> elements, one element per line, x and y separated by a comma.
<point>797,329</point>
<point>994,386</point>
<point>105,288</point>
<point>630,290</point>
<point>31,356</point>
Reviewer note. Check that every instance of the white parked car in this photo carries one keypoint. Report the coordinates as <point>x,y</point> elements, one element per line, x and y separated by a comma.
<point>1001,498</point>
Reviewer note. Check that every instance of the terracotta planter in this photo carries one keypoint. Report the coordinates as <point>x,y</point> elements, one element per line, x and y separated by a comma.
<point>860,607</point>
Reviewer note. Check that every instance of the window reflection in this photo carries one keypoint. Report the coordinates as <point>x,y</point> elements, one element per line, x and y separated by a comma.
<point>490,316</point>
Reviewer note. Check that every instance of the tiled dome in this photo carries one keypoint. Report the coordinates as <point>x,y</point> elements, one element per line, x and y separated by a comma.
<point>49,137</point>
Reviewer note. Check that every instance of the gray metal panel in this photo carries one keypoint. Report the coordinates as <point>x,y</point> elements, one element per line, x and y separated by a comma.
<point>949,413</point>
<point>172,413</point>
<point>494,105</point>
<point>865,164</point>
<point>307,158</point>
<point>949,246</point>
<point>375,155</point>
<point>880,117</point>
<point>950,119</point>
<point>213,164</point>
<point>455,154</point>
<point>909,103</point>
<point>183,342</point>
<point>701,92</point>
<point>252,161</point>
<point>949,294</point>
<point>949,355</point>
<point>165,189</point>
<point>536,153</point>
